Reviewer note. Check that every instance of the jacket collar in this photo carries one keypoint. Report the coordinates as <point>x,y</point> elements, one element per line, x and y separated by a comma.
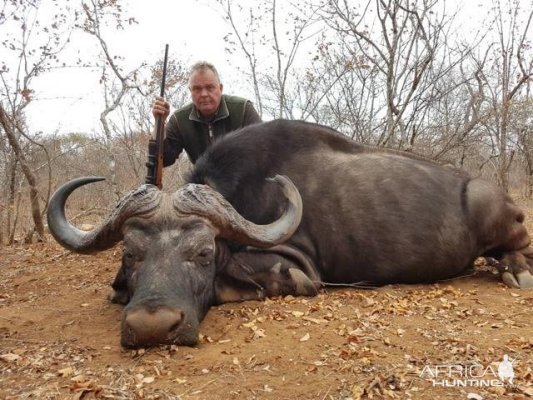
<point>221,113</point>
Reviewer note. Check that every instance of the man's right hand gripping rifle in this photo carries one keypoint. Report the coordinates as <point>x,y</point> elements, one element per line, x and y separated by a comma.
<point>160,111</point>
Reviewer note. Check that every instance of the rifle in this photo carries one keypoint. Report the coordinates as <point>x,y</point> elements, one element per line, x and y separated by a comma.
<point>154,175</point>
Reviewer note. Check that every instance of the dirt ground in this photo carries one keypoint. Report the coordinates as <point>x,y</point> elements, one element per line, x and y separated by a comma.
<point>59,339</point>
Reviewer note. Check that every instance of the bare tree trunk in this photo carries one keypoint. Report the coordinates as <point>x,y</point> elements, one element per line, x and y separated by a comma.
<point>512,45</point>
<point>8,127</point>
<point>529,179</point>
<point>504,159</point>
<point>11,200</point>
<point>525,141</point>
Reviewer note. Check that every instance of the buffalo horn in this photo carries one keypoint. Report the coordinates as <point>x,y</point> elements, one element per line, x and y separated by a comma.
<point>106,234</point>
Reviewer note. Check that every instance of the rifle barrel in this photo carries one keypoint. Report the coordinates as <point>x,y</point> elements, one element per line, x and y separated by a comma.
<point>155,146</point>
<point>162,94</point>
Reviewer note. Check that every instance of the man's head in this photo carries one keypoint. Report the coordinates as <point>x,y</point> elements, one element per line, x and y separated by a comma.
<point>205,87</point>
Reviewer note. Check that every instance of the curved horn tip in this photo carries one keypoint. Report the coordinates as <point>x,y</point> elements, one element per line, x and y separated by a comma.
<point>75,183</point>
<point>67,235</point>
<point>67,188</point>
<point>279,178</point>
<point>59,197</point>
<point>289,189</point>
<point>85,180</point>
<point>282,180</point>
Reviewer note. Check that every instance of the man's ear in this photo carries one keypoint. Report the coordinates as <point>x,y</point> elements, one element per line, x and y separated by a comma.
<point>221,87</point>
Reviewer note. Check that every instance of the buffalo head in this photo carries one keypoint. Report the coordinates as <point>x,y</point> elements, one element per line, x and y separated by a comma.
<point>174,244</point>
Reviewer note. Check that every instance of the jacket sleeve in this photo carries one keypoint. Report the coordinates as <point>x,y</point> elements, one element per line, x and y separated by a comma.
<point>173,143</point>
<point>250,115</point>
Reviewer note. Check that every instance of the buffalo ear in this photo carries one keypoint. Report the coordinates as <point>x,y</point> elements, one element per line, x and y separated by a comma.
<point>119,297</point>
<point>120,293</point>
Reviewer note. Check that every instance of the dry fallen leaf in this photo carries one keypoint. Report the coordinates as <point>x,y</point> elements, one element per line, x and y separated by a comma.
<point>66,372</point>
<point>305,337</point>
<point>85,386</point>
<point>369,302</point>
<point>357,392</point>
<point>314,320</point>
<point>267,388</point>
<point>297,314</point>
<point>79,378</point>
<point>258,333</point>
<point>9,357</point>
<point>497,390</point>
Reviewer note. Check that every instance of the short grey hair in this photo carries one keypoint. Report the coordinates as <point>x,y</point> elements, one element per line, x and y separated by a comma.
<point>204,66</point>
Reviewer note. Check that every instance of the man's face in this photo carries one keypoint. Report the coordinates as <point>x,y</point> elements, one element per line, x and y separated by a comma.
<point>206,92</point>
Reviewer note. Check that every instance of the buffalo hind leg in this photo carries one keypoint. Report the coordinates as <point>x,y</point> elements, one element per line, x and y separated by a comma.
<point>500,221</point>
<point>515,256</point>
<point>250,275</point>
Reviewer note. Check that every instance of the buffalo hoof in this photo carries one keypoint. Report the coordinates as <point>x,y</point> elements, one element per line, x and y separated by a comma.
<point>522,280</point>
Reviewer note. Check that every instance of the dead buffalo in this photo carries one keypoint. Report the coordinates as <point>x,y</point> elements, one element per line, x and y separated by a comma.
<point>370,217</point>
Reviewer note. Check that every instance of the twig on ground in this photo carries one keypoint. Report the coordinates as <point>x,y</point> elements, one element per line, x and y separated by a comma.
<point>197,389</point>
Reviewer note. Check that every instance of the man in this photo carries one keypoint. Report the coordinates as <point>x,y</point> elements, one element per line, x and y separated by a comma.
<point>210,115</point>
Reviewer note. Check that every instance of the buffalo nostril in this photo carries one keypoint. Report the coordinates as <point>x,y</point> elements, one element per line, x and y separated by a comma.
<point>176,325</point>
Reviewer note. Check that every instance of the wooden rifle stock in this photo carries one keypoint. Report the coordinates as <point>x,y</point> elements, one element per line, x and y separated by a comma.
<point>154,164</point>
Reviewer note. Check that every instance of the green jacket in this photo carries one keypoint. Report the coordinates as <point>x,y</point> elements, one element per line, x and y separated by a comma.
<point>186,130</point>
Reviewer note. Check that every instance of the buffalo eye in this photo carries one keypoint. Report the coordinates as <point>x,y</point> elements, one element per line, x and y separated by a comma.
<point>204,256</point>
<point>129,258</point>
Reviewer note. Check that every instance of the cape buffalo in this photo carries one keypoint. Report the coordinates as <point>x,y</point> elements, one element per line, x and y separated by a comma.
<point>370,217</point>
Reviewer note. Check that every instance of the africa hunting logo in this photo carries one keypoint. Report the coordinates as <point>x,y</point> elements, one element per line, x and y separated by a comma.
<point>473,375</point>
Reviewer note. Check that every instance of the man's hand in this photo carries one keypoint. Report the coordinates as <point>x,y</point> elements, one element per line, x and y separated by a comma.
<point>161,108</point>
